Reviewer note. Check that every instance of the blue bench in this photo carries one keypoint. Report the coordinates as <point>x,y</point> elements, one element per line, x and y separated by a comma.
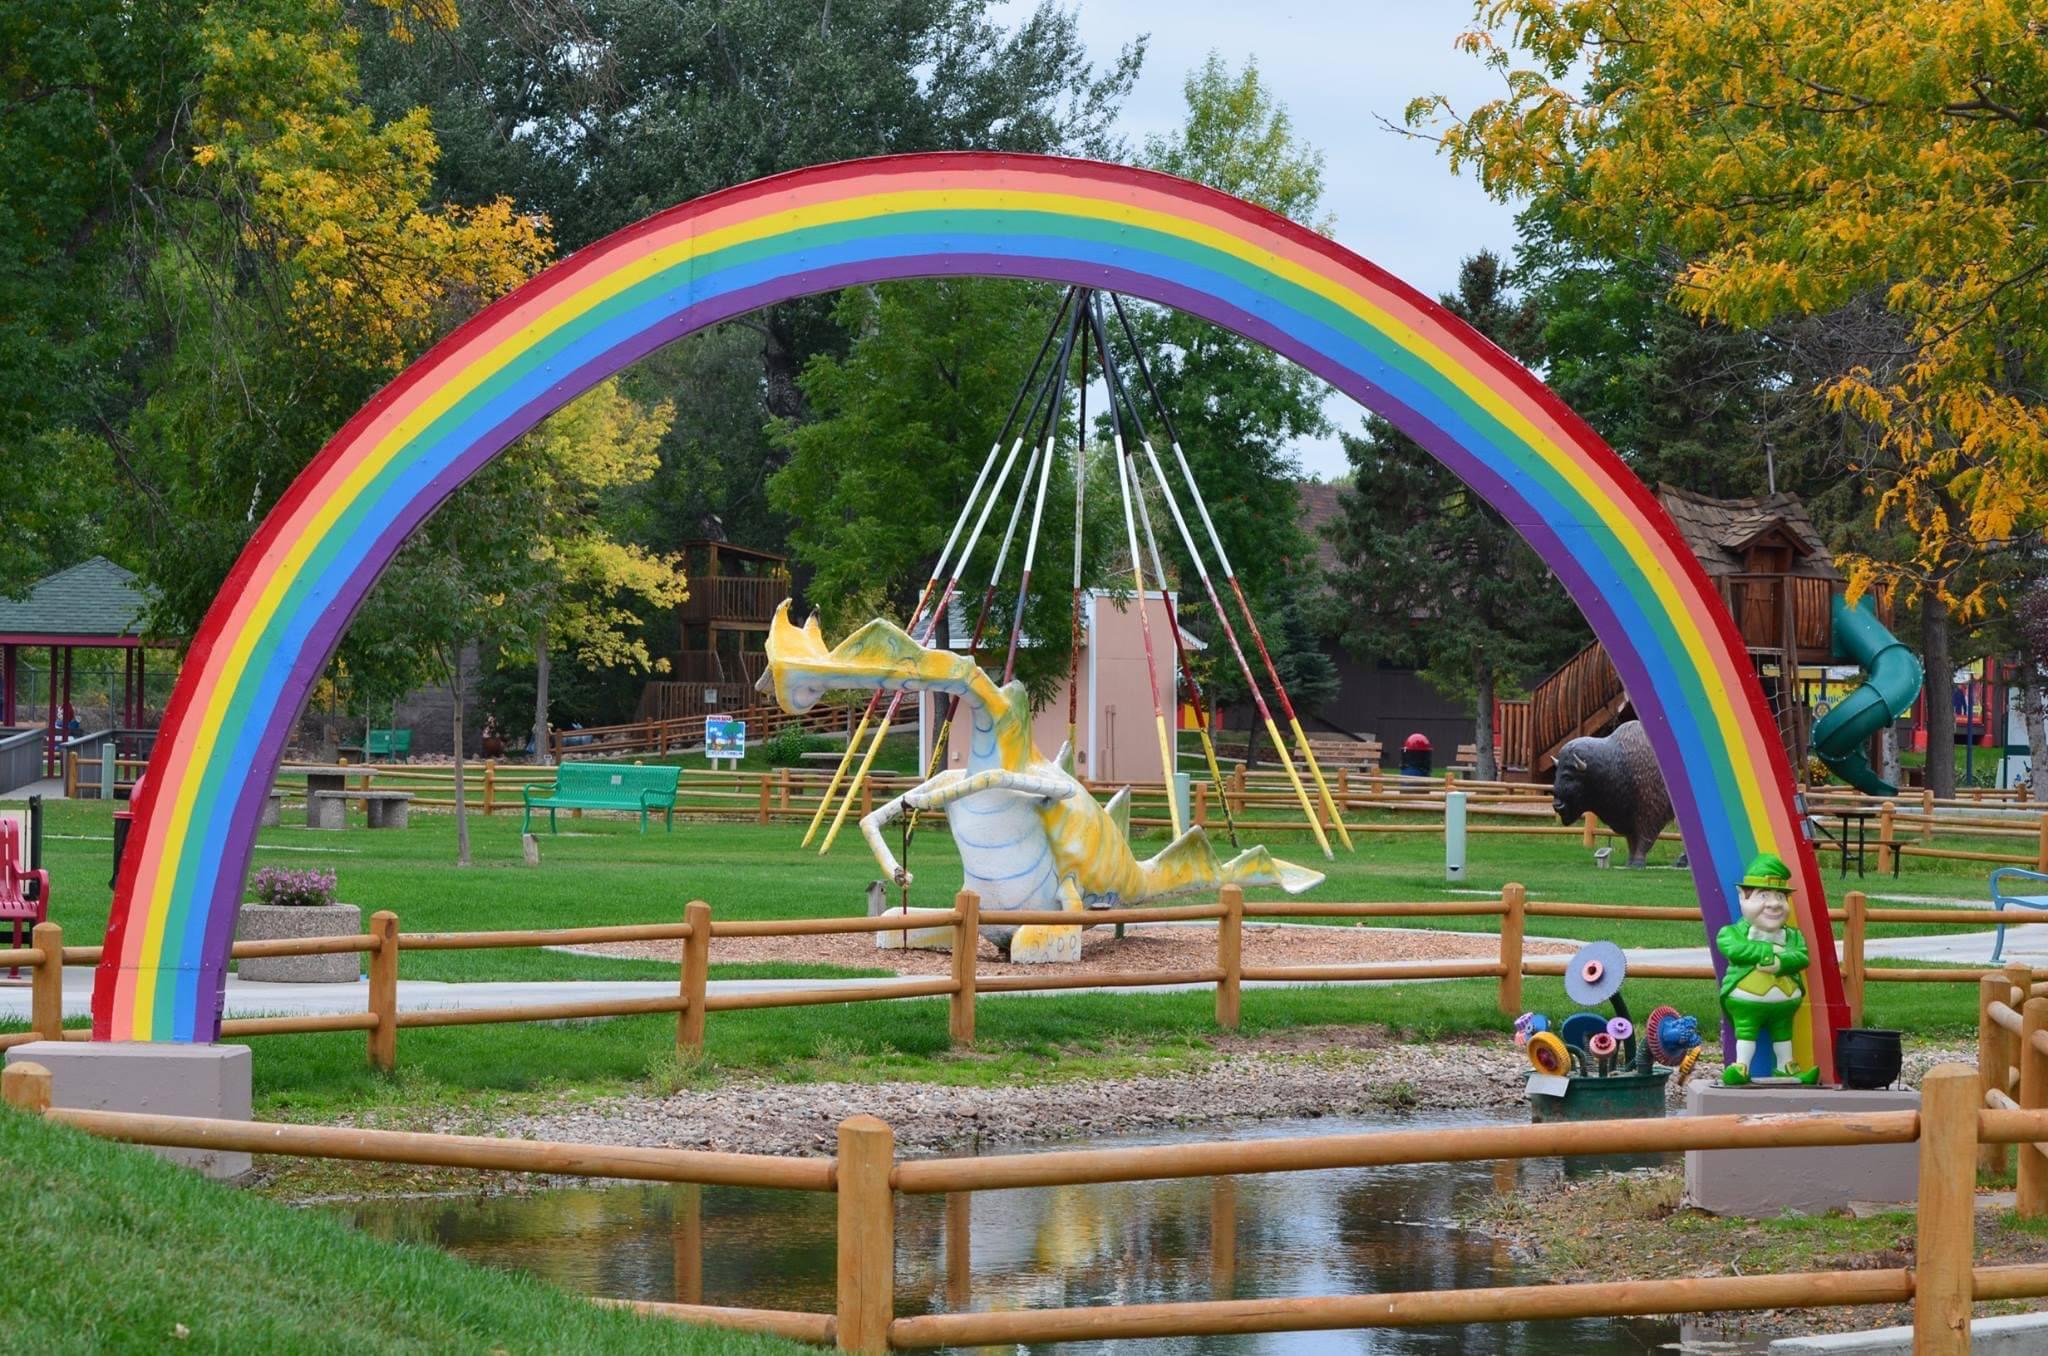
<point>604,786</point>
<point>1999,899</point>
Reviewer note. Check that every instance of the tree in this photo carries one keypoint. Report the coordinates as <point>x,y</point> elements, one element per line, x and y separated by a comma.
<point>224,255</point>
<point>586,581</point>
<point>1803,156</point>
<point>901,426</point>
<point>1237,405</point>
<point>596,113</point>
<point>1431,572</point>
<point>2032,616</point>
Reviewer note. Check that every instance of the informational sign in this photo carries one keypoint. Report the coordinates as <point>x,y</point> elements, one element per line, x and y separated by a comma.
<point>725,737</point>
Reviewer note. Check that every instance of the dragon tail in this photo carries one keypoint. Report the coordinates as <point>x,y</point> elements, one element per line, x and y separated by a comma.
<point>1256,866</point>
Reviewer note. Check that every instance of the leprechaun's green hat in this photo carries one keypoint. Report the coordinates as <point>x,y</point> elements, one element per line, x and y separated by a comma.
<point>1767,871</point>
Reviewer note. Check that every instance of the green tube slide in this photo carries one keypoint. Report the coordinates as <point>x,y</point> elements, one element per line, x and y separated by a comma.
<point>1891,680</point>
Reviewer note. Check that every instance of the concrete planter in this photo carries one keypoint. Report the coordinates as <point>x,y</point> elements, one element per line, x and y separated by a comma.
<point>268,922</point>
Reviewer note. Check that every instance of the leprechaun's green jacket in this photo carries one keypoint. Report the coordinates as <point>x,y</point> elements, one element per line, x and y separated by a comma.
<point>1744,955</point>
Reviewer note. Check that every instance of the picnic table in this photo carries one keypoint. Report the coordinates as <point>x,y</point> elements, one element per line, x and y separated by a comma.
<point>328,794</point>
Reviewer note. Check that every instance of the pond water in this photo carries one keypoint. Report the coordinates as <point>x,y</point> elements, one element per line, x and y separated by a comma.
<point>1337,1232</point>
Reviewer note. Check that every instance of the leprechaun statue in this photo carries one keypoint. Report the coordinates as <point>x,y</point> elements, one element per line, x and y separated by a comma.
<point>1761,990</point>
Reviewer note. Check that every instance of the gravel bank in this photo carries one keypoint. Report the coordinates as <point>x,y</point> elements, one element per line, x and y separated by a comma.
<point>1292,1075</point>
<point>1339,1072</point>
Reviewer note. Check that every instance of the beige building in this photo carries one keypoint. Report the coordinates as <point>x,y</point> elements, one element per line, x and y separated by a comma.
<point>1116,739</point>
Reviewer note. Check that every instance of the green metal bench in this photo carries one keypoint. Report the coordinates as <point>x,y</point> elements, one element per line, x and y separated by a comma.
<point>381,744</point>
<point>604,786</point>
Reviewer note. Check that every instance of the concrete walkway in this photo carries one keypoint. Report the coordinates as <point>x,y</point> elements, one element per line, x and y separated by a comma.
<point>417,995</point>
<point>2028,945</point>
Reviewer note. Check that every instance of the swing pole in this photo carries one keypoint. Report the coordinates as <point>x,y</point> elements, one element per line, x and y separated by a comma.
<point>938,566</point>
<point>1230,574</point>
<point>1117,392</point>
<point>988,600</point>
<point>938,610</point>
<point>1052,439</point>
<point>1123,486</point>
<point>1074,635</point>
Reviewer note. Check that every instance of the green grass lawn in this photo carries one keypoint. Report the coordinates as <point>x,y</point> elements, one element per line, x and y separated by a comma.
<point>133,1254</point>
<point>605,871</point>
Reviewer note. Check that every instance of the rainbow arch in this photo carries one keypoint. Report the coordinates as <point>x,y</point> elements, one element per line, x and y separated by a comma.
<point>283,608</point>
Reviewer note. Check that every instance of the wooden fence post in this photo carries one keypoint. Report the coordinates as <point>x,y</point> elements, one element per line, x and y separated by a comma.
<point>1344,789</point>
<point>1991,1158</point>
<point>867,1234</point>
<point>2033,1171</point>
<point>46,997</point>
<point>1512,924</point>
<point>1855,925</point>
<point>1591,822</point>
<point>1945,1246</point>
<point>696,967</point>
<point>1887,813</point>
<point>1230,958</point>
<point>782,793</point>
<point>966,942</point>
<point>26,1087</point>
<point>767,793</point>
<point>2041,846</point>
<point>1202,805</point>
<point>1926,815</point>
<point>384,991</point>
<point>1237,786</point>
<point>490,786</point>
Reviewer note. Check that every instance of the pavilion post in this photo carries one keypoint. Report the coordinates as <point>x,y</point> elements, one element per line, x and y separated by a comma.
<point>50,730</point>
<point>6,685</point>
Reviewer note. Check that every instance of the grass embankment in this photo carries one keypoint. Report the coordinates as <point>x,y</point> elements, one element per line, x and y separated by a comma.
<point>133,1254</point>
<point>1632,1225</point>
<point>607,872</point>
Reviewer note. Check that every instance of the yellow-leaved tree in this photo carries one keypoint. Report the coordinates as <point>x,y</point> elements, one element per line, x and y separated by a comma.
<point>591,591</point>
<point>1806,157</point>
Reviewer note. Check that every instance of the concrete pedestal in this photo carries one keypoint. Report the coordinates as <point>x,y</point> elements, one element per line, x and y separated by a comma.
<point>1764,1183</point>
<point>157,1078</point>
<point>915,939</point>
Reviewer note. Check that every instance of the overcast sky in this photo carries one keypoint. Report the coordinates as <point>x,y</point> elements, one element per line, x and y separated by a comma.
<point>1339,68</point>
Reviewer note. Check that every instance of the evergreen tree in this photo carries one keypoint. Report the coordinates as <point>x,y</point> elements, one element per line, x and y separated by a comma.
<point>1432,574</point>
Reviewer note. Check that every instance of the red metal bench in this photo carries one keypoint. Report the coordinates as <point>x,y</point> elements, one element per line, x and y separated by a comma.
<point>21,908</point>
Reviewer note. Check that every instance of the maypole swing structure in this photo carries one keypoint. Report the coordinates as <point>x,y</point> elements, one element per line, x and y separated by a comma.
<point>1084,321</point>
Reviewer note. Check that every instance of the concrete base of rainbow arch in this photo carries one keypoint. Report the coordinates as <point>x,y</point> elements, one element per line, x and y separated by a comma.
<point>152,1078</point>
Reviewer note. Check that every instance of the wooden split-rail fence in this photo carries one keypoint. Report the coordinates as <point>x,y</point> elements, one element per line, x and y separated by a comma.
<point>696,934</point>
<point>1257,803</point>
<point>1951,1128</point>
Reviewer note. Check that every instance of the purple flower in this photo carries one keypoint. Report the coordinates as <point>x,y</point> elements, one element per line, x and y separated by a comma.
<point>297,889</point>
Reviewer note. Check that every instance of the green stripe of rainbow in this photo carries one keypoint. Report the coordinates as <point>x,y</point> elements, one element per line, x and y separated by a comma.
<point>282,609</point>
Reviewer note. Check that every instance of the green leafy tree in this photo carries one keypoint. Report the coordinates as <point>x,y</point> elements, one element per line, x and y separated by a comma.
<point>596,113</point>
<point>1238,406</point>
<point>1433,574</point>
<point>901,426</point>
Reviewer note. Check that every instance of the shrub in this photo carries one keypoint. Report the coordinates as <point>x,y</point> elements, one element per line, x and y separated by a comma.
<point>788,746</point>
<point>293,889</point>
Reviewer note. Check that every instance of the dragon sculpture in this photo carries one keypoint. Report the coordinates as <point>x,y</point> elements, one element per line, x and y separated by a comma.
<point>1029,834</point>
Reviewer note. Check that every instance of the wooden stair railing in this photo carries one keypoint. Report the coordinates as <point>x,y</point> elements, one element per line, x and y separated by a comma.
<point>1583,697</point>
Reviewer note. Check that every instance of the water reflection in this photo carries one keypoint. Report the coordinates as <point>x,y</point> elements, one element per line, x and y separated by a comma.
<point>1341,1232</point>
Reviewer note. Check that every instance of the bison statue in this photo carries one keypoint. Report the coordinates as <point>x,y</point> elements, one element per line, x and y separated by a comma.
<point>1616,778</point>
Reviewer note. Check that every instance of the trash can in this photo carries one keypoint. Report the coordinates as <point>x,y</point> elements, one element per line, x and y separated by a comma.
<point>122,820</point>
<point>1416,756</point>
